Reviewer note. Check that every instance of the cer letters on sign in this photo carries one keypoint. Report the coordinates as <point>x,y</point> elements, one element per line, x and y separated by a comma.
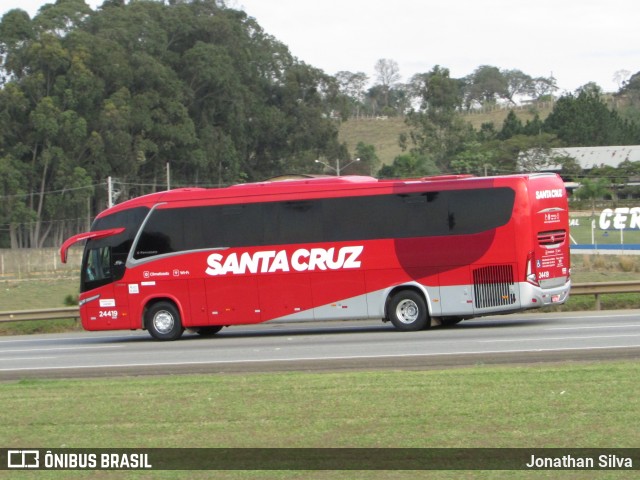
<point>621,216</point>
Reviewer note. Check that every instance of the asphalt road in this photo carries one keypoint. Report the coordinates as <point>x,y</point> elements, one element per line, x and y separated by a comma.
<point>519,338</point>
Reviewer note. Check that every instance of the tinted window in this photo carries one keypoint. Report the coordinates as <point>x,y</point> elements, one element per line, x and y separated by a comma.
<point>474,211</point>
<point>234,225</point>
<point>298,221</point>
<point>179,229</point>
<point>455,212</point>
<point>129,219</point>
<point>164,232</point>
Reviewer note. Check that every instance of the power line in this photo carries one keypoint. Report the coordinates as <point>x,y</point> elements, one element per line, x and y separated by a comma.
<point>51,192</point>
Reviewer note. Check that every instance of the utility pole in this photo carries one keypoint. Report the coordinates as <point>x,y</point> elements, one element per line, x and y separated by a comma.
<point>109,192</point>
<point>112,193</point>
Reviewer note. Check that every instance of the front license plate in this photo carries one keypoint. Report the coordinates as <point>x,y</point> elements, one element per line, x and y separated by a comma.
<point>555,298</point>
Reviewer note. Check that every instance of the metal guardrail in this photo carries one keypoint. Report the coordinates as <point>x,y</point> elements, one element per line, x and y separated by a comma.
<point>602,288</point>
<point>595,288</point>
<point>44,314</point>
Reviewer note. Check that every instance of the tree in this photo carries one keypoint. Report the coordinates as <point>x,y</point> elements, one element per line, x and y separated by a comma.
<point>475,159</point>
<point>352,85</point>
<point>510,127</point>
<point>585,120</point>
<point>621,77</point>
<point>517,84</point>
<point>538,157</point>
<point>485,86</point>
<point>369,161</point>
<point>437,91</point>
<point>409,165</point>
<point>544,87</point>
<point>387,74</point>
<point>436,128</point>
<point>631,85</point>
<point>520,153</point>
<point>593,189</point>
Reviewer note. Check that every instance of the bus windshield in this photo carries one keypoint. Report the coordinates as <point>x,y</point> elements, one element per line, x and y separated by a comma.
<point>105,256</point>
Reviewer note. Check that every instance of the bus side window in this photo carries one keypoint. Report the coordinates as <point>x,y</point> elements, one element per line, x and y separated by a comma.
<point>91,272</point>
<point>99,264</point>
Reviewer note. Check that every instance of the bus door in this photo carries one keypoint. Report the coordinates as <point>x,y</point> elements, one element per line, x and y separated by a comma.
<point>110,310</point>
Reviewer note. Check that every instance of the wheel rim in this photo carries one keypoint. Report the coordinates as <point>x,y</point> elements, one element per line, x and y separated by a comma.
<point>407,311</point>
<point>163,321</point>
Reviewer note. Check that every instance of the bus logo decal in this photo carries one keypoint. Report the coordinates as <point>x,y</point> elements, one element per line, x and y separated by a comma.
<point>271,261</point>
<point>551,193</point>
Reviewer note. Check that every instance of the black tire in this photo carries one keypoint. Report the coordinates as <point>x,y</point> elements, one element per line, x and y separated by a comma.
<point>450,321</point>
<point>209,331</point>
<point>163,321</point>
<point>407,311</point>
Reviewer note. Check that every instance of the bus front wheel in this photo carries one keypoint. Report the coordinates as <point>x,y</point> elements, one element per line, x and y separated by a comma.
<point>163,321</point>
<point>408,311</point>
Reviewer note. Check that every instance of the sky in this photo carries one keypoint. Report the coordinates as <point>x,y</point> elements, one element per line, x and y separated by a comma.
<point>576,41</point>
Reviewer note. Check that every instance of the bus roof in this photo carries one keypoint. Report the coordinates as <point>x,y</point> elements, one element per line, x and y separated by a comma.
<point>309,187</point>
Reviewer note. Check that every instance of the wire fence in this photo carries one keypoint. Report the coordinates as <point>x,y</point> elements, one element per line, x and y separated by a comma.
<point>34,262</point>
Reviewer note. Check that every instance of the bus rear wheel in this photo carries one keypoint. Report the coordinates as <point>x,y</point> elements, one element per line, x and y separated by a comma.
<point>163,321</point>
<point>408,311</point>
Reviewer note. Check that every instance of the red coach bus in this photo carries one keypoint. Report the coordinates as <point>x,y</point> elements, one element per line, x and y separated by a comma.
<point>414,252</point>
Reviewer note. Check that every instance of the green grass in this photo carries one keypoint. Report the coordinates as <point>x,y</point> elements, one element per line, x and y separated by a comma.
<point>37,293</point>
<point>573,406</point>
<point>382,134</point>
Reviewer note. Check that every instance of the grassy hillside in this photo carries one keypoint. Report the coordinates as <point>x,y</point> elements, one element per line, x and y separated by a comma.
<point>383,134</point>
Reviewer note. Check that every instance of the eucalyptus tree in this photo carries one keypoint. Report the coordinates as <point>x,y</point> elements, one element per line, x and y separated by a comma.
<point>42,75</point>
<point>353,86</point>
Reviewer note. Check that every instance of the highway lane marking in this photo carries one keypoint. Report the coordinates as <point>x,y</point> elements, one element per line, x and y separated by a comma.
<point>24,358</point>
<point>302,359</point>
<point>58,349</point>
<point>595,326</point>
<point>555,338</point>
<point>533,317</point>
<point>79,337</point>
